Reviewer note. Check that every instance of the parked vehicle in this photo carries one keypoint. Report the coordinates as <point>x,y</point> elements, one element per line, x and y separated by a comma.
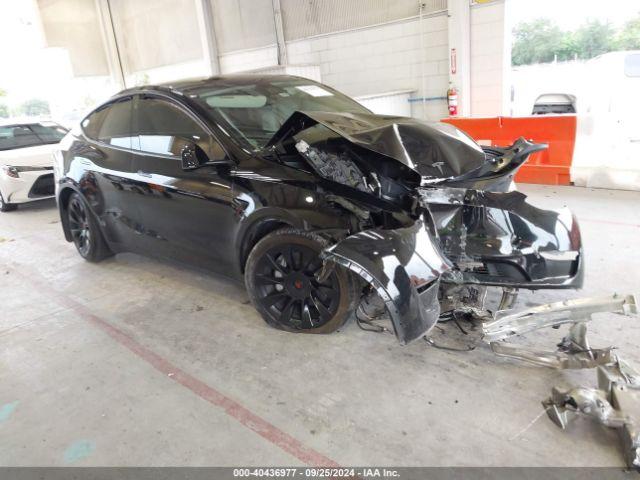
<point>310,198</point>
<point>554,104</point>
<point>608,138</point>
<point>26,161</point>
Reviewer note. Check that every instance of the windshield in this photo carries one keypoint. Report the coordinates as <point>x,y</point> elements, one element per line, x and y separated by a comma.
<point>252,113</point>
<point>29,135</point>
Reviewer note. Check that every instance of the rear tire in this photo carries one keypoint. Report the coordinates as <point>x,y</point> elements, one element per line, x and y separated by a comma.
<point>280,276</point>
<point>6,207</point>
<point>85,230</point>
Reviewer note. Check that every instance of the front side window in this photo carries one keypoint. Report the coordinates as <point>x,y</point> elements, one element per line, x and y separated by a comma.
<point>253,113</point>
<point>30,135</point>
<point>163,128</point>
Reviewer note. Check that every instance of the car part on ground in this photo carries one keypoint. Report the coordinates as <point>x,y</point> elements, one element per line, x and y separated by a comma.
<point>614,404</point>
<point>616,401</point>
<point>574,350</point>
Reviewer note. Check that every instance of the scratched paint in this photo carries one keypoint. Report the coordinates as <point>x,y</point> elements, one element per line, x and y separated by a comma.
<point>6,410</point>
<point>78,450</point>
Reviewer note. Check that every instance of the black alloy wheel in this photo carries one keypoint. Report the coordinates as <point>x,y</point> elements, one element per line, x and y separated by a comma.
<point>282,280</point>
<point>79,226</point>
<point>85,231</point>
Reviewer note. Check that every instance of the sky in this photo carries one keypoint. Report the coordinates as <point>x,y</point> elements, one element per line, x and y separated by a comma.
<point>569,14</point>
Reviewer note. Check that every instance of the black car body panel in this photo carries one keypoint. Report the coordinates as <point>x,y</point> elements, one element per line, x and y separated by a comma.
<point>407,205</point>
<point>500,239</point>
<point>404,266</point>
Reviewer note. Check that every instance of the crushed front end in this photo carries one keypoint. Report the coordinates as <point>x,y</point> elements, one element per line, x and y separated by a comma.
<point>434,213</point>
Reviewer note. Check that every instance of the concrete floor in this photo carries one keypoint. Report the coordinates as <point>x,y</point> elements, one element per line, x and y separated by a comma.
<point>138,362</point>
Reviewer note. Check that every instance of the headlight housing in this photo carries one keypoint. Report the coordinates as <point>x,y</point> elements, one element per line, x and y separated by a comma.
<point>10,171</point>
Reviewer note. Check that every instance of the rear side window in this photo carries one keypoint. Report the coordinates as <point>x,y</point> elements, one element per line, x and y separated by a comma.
<point>49,133</point>
<point>17,136</point>
<point>91,124</point>
<point>163,128</point>
<point>21,136</point>
<point>111,124</point>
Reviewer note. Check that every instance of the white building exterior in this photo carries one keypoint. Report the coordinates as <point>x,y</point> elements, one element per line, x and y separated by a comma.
<point>369,49</point>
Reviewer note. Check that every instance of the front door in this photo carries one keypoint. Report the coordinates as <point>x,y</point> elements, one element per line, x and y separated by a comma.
<point>183,214</point>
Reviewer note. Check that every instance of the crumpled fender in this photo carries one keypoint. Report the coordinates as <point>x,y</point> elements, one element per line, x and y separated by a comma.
<point>404,265</point>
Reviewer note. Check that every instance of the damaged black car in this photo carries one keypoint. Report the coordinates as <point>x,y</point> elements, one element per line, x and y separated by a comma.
<point>316,203</point>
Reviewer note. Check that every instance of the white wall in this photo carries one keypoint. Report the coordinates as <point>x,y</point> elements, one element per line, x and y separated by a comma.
<point>411,54</point>
<point>490,59</point>
<point>246,60</point>
<point>383,59</point>
<point>370,60</point>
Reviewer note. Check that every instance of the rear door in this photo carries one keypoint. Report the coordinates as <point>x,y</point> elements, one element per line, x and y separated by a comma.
<point>104,174</point>
<point>183,214</point>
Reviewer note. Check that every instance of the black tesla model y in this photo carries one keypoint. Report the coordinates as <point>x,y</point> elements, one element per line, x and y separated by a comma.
<point>317,203</point>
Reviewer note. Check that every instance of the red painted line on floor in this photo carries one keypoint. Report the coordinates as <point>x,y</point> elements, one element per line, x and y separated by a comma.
<point>234,409</point>
<point>609,222</point>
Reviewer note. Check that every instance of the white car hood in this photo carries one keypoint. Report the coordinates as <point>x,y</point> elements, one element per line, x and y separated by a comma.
<point>38,156</point>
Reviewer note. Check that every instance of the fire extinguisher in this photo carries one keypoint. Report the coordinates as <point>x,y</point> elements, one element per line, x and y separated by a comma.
<point>452,100</point>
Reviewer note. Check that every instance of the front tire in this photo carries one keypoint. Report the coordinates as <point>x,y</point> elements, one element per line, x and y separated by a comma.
<point>85,231</point>
<point>6,207</point>
<point>280,276</point>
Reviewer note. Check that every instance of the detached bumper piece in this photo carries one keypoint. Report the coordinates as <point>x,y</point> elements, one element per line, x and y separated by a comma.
<point>499,239</point>
<point>404,267</point>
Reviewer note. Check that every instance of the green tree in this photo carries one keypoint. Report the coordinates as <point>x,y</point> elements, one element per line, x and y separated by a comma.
<point>594,38</point>
<point>537,41</point>
<point>629,37</point>
<point>4,111</point>
<point>34,107</point>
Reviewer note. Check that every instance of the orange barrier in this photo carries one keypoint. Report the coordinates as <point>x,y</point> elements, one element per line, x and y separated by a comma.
<point>551,166</point>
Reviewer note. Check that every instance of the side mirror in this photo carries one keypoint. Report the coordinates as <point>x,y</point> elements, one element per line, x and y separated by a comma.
<point>192,157</point>
<point>189,157</point>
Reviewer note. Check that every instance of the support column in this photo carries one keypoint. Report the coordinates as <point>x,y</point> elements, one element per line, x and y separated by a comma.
<point>460,52</point>
<point>282,45</point>
<point>204,14</point>
<point>113,53</point>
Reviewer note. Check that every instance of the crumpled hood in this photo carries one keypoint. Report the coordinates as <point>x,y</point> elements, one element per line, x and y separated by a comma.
<point>434,150</point>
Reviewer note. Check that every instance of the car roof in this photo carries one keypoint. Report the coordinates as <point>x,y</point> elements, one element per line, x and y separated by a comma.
<point>18,121</point>
<point>185,87</point>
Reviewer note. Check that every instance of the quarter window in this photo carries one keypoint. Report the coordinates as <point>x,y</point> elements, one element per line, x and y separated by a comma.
<point>111,124</point>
